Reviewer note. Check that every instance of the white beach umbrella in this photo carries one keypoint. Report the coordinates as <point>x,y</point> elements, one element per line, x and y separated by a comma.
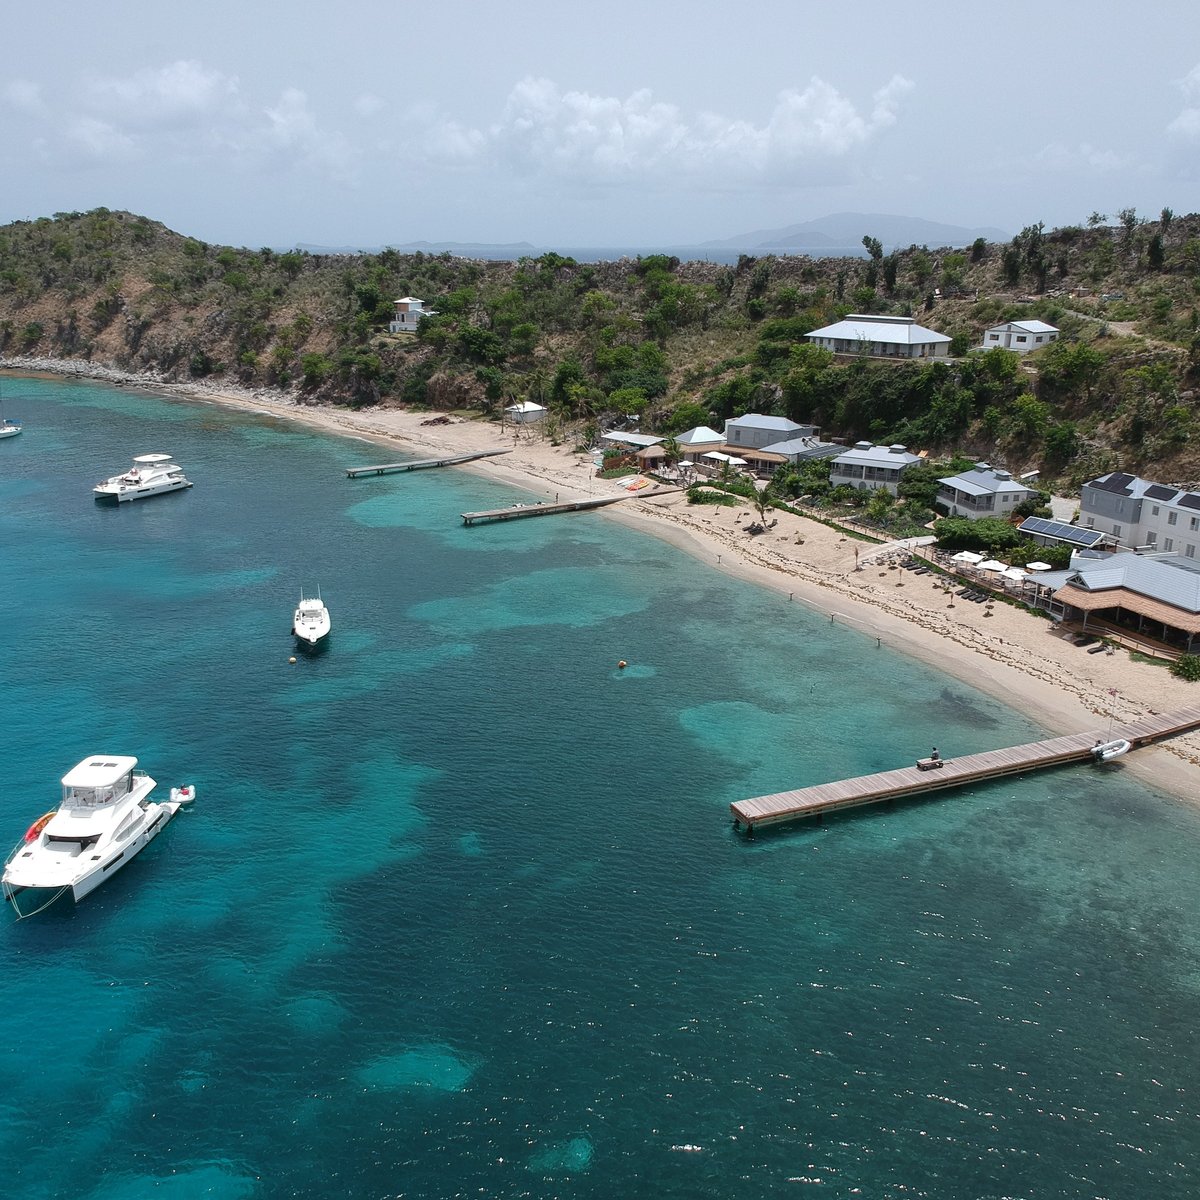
<point>967,556</point>
<point>1014,573</point>
<point>993,565</point>
<point>1038,566</point>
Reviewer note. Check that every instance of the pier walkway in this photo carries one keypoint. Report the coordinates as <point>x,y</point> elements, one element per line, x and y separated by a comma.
<point>954,772</point>
<point>514,512</point>
<point>423,464</point>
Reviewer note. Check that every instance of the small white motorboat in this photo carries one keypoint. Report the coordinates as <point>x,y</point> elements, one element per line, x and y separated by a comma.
<point>105,818</point>
<point>1107,751</point>
<point>150,475</point>
<point>311,622</point>
<point>9,428</point>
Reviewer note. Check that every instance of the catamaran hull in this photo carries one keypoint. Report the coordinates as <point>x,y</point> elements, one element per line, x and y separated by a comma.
<point>85,884</point>
<point>106,495</point>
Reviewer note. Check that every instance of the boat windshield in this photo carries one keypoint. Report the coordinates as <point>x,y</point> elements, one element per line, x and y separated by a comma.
<point>94,797</point>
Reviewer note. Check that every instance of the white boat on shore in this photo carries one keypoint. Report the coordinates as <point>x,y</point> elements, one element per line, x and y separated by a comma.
<point>150,475</point>
<point>1107,751</point>
<point>311,622</point>
<point>106,817</point>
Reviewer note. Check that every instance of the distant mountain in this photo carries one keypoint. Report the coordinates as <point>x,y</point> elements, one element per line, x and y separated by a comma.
<point>848,230</point>
<point>507,250</point>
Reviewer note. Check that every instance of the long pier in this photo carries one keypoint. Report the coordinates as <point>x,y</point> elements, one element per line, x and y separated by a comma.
<point>954,772</point>
<point>516,512</point>
<point>423,464</point>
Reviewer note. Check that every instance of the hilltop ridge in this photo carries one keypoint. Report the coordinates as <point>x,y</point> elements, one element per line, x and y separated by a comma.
<point>672,344</point>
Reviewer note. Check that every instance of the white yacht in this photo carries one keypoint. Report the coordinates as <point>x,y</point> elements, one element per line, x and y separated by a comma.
<point>311,622</point>
<point>150,475</point>
<point>105,818</point>
<point>9,428</point>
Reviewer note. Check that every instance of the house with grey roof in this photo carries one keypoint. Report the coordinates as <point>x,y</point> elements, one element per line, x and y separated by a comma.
<point>881,337</point>
<point>985,491</point>
<point>869,467</point>
<point>1139,513</point>
<point>1154,595</point>
<point>698,440</point>
<point>754,431</point>
<point>1021,336</point>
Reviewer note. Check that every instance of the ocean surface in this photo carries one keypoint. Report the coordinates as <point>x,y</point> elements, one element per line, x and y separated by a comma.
<point>459,910</point>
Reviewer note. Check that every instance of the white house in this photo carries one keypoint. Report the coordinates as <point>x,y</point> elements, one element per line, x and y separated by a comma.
<point>881,337</point>
<point>986,491</point>
<point>869,467</point>
<point>754,431</point>
<point>525,412</point>
<point>408,311</point>
<point>1138,513</point>
<point>1021,336</point>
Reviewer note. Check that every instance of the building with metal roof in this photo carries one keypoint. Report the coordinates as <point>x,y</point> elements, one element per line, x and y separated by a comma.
<point>1021,336</point>
<point>869,467</point>
<point>1157,595</point>
<point>881,337</point>
<point>986,491</point>
<point>1139,513</point>
<point>756,430</point>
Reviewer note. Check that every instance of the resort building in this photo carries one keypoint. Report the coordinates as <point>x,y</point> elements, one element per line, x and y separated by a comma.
<point>756,431</point>
<point>1137,513</point>
<point>870,468</point>
<point>881,337</point>
<point>408,312</point>
<point>986,491</point>
<point>797,450</point>
<point>1047,532</point>
<point>1021,336</point>
<point>1154,595</point>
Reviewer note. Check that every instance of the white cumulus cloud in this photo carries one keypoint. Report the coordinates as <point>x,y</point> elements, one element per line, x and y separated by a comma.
<point>1186,126</point>
<point>543,129</point>
<point>180,93</point>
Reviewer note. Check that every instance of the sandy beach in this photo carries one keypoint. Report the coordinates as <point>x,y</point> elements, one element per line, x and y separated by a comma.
<point>1013,655</point>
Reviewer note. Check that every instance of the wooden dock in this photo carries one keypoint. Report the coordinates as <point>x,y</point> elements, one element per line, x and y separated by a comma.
<point>954,772</point>
<point>423,464</point>
<point>516,512</point>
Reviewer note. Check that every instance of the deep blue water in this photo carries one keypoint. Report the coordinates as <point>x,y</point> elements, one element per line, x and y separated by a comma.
<point>459,910</point>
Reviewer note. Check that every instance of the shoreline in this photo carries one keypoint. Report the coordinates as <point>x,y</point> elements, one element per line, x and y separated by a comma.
<point>1013,656</point>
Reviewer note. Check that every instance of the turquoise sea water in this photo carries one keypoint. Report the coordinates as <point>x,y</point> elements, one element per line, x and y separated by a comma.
<point>459,910</point>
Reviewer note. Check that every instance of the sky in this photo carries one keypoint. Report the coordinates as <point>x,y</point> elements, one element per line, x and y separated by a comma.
<point>635,123</point>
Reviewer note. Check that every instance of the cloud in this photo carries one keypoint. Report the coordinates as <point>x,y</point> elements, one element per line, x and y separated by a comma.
<point>1186,126</point>
<point>1055,156</point>
<point>183,93</point>
<point>96,141</point>
<point>605,139</point>
<point>25,97</point>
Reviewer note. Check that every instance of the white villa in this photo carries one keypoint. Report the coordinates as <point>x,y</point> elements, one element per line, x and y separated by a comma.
<point>1021,336</point>
<point>869,467</point>
<point>1137,513</point>
<point>985,491</point>
<point>881,337</point>
<point>408,312</point>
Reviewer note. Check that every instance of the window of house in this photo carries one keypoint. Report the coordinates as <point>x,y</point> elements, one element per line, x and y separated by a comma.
<point>993,337</point>
<point>1116,531</point>
<point>1038,338</point>
<point>1172,518</point>
<point>1169,544</point>
<point>1152,539</point>
<point>1091,522</point>
<point>1154,510</point>
<point>1022,338</point>
<point>1189,551</point>
<point>1194,524</point>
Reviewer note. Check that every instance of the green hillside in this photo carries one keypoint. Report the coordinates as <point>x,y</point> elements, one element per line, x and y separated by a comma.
<point>676,343</point>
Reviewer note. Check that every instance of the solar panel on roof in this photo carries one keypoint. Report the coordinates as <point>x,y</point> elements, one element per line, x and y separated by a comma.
<point>1189,500</point>
<point>1117,482</point>
<point>1061,530</point>
<point>1156,491</point>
